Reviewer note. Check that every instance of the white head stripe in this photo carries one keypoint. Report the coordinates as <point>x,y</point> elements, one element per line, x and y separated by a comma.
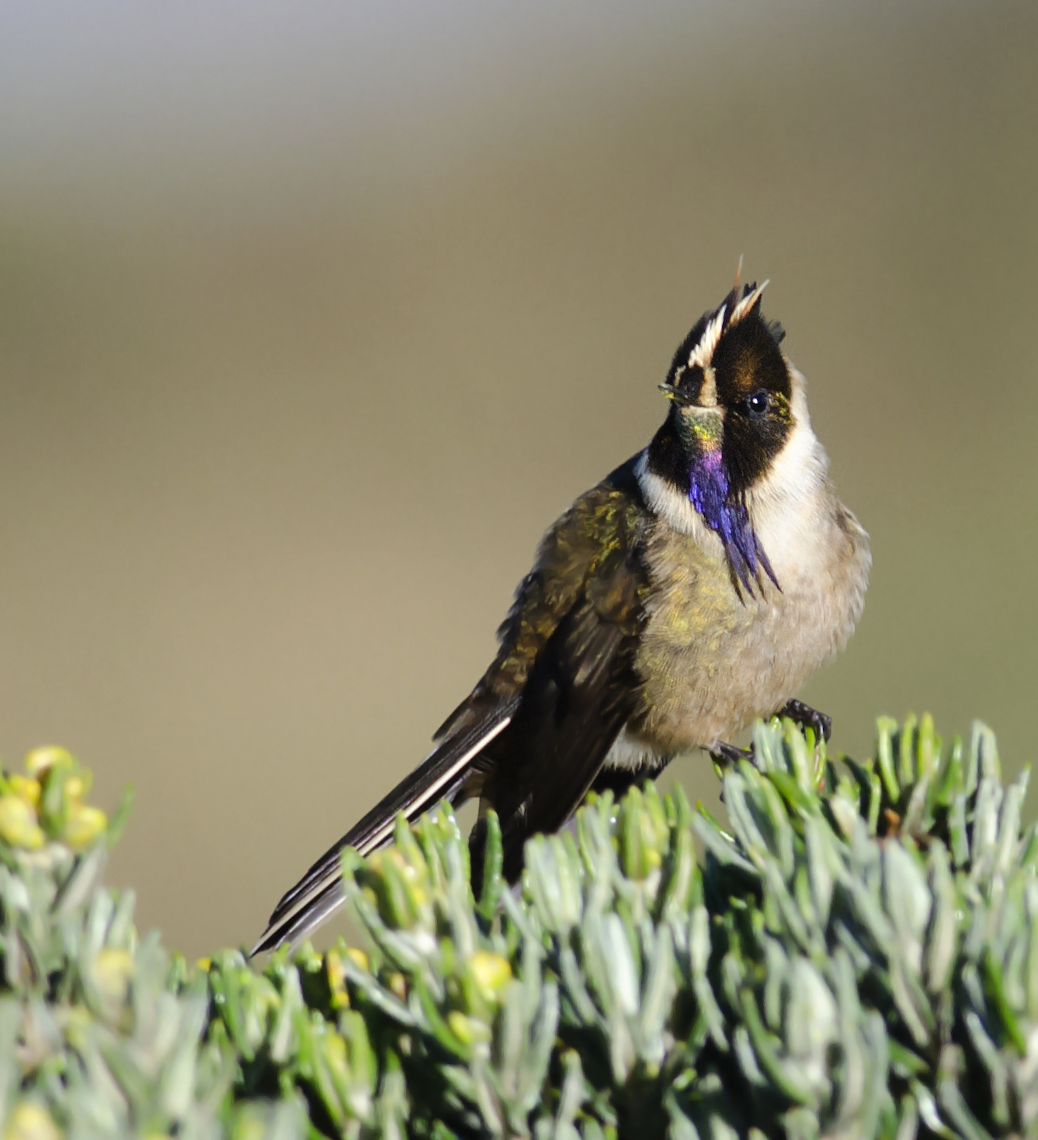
<point>703,352</point>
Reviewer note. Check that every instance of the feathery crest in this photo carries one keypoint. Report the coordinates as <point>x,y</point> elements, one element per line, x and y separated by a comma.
<point>734,309</point>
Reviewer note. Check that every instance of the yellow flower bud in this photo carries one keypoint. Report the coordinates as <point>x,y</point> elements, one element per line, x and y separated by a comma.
<point>358,957</point>
<point>26,787</point>
<point>491,973</point>
<point>111,972</point>
<point>40,759</point>
<point>31,1121</point>
<point>469,1030</point>
<point>84,825</point>
<point>336,980</point>
<point>18,823</point>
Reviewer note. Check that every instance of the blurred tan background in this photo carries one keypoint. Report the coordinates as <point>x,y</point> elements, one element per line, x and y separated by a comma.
<point>315,316</point>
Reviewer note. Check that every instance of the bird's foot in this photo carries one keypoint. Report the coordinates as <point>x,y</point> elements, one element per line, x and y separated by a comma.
<point>724,754</point>
<point>808,717</point>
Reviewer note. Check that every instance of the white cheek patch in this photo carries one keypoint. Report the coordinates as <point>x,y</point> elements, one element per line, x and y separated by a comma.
<point>787,503</point>
<point>665,500</point>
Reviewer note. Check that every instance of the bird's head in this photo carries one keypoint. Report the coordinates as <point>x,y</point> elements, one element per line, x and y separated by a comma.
<point>732,412</point>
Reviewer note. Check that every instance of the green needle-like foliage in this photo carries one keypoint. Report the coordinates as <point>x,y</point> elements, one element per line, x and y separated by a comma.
<point>855,954</point>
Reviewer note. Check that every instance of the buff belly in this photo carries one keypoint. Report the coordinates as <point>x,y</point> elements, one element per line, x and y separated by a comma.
<point>711,661</point>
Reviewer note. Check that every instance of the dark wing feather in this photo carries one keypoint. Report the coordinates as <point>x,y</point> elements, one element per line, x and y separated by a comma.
<point>579,694</point>
<point>318,893</point>
<point>534,732</point>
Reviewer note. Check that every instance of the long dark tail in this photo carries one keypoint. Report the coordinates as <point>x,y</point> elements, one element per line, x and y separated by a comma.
<point>318,894</point>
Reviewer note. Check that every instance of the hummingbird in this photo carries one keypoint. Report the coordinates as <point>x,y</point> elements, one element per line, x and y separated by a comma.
<point>691,591</point>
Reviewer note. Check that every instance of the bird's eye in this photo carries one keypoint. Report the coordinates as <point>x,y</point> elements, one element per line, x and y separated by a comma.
<point>759,402</point>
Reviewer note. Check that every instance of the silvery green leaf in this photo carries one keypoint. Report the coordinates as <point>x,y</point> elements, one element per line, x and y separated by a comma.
<point>510,1039</point>
<point>680,878</point>
<point>886,730</point>
<point>776,983</point>
<point>997,1070</point>
<point>853,1077</point>
<point>1029,847</point>
<point>811,1025</point>
<point>374,992</point>
<point>845,811</point>
<point>800,762</point>
<point>622,1053</point>
<point>717,1126</point>
<point>800,1124</point>
<point>1031,962</point>
<point>393,1105</point>
<point>877,1101</point>
<point>958,835</point>
<point>905,756</point>
<point>914,821</point>
<point>791,1079</point>
<point>995,991</point>
<point>928,747</point>
<point>798,799</point>
<point>983,753</point>
<point>766,747</point>
<point>619,963</point>
<point>942,936</point>
<point>949,777</point>
<point>930,1113</point>
<point>281,1036</point>
<point>657,999</point>
<point>1009,826</point>
<point>869,794</point>
<point>745,1054</point>
<point>490,1109</point>
<point>699,957</point>
<point>907,901</point>
<point>269,1120</point>
<point>983,849</point>
<point>571,1096</point>
<point>744,820</point>
<point>822,860</point>
<point>680,1126</point>
<point>540,1039</point>
<point>100,910</point>
<point>84,878</point>
<point>908,1118</point>
<point>912,1003</point>
<point>551,879</point>
<point>758,818</point>
<point>574,987</point>
<point>872,929</point>
<point>956,1111</point>
<point>178,1080</point>
<point>720,844</point>
<point>778,898</point>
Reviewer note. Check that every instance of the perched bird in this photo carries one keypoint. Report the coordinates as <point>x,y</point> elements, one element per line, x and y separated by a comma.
<point>693,590</point>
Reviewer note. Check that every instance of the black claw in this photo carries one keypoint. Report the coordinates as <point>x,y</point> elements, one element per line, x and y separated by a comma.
<point>728,753</point>
<point>808,717</point>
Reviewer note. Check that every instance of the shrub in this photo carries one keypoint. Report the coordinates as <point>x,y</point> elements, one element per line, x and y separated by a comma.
<point>855,955</point>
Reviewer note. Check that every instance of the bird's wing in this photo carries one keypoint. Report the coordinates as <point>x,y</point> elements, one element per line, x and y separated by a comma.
<point>568,645</point>
<point>535,730</point>
<point>578,695</point>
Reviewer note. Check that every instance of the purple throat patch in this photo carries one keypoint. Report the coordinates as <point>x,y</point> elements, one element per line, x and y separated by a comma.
<point>708,493</point>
